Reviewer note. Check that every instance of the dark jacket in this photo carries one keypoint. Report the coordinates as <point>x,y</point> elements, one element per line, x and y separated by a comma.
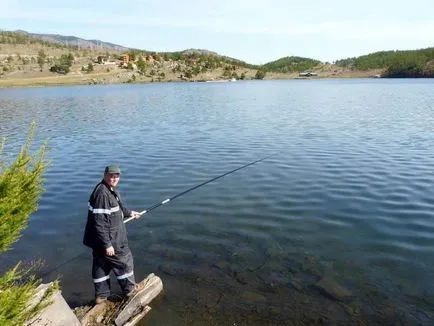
<point>105,226</point>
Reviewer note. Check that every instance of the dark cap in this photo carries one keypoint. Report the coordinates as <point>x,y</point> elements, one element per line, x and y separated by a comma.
<point>112,169</point>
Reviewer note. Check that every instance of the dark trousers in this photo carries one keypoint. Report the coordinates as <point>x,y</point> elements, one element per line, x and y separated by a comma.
<point>122,266</point>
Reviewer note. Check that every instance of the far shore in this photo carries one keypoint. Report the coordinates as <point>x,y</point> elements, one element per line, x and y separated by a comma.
<point>75,78</point>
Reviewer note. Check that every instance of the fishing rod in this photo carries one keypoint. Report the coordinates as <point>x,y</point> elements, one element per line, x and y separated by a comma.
<point>195,187</point>
<point>167,200</point>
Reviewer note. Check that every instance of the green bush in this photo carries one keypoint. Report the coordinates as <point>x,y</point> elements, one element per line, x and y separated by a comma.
<point>260,74</point>
<point>21,185</point>
<point>63,64</point>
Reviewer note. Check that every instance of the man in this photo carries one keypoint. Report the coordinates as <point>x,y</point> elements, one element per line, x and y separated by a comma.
<point>106,234</point>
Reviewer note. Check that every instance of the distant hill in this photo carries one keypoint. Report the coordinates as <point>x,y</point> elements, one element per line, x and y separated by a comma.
<point>198,52</point>
<point>22,37</point>
<point>73,41</point>
<point>287,64</point>
<point>410,63</point>
<point>291,64</point>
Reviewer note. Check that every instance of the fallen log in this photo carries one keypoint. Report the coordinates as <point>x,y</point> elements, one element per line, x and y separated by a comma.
<point>129,311</point>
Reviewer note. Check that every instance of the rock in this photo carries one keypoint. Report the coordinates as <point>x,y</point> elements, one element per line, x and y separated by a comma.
<point>296,283</point>
<point>349,310</point>
<point>81,311</point>
<point>167,269</point>
<point>240,277</point>
<point>222,264</point>
<point>333,289</point>
<point>253,297</point>
<point>58,313</point>
<point>96,314</point>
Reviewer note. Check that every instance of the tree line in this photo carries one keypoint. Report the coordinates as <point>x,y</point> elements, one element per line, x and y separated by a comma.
<point>15,38</point>
<point>291,64</point>
<point>410,63</point>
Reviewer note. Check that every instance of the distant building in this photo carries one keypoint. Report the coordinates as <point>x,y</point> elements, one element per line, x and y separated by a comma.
<point>307,74</point>
<point>125,58</point>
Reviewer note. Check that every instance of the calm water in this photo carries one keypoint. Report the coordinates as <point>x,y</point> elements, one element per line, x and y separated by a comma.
<point>348,199</point>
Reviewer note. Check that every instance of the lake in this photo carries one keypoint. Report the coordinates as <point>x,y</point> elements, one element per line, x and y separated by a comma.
<point>336,228</point>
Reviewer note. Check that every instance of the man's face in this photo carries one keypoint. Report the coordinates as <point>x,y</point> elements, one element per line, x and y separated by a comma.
<point>112,179</point>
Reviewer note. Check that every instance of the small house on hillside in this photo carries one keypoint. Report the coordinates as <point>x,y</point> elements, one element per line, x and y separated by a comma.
<point>308,74</point>
<point>125,58</point>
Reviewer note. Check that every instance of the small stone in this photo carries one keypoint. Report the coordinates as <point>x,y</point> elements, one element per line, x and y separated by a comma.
<point>168,270</point>
<point>296,284</point>
<point>333,289</point>
<point>349,310</point>
<point>222,264</point>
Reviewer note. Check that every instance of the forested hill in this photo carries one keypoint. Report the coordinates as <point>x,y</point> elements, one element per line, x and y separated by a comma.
<point>410,63</point>
<point>291,64</point>
<point>71,41</point>
<point>78,44</point>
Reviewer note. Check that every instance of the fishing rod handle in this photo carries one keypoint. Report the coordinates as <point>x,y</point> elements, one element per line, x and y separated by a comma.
<point>132,217</point>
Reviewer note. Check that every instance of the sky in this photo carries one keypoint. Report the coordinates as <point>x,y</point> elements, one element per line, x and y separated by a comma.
<point>250,30</point>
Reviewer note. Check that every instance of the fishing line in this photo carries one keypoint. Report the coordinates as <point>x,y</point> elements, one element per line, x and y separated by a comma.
<point>195,187</point>
<point>167,200</point>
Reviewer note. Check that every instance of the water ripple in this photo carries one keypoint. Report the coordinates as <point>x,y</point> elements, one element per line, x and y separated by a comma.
<point>349,192</point>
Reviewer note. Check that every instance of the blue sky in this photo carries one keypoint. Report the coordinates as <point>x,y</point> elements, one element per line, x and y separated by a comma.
<point>250,30</point>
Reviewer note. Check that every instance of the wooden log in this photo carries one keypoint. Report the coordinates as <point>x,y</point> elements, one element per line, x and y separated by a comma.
<point>148,290</point>
<point>138,317</point>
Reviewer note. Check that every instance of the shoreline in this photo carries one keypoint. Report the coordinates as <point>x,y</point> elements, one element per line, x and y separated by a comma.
<point>134,77</point>
<point>48,81</point>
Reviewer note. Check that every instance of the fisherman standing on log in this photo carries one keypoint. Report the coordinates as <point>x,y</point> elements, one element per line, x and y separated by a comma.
<point>106,234</point>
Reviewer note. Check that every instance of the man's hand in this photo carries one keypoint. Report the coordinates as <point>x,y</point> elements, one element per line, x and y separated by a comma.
<point>110,251</point>
<point>135,214</point>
